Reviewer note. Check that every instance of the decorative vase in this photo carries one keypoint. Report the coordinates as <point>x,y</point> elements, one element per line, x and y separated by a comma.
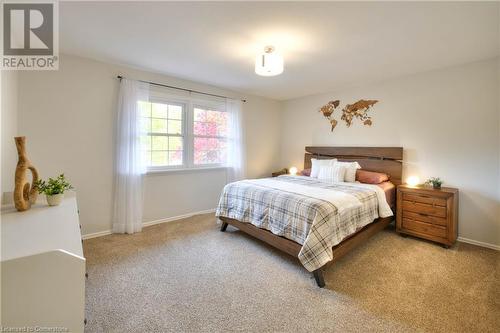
<point>436,186</point>
<point>54,199</point>
<point>25,194</point>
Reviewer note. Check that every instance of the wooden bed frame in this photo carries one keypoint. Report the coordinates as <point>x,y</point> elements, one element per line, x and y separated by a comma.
<point>381,159</point>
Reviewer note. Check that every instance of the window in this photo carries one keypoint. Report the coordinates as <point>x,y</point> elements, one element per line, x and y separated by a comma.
<point>178,134</point>
<point>163,139</point>
<point>210,132</point>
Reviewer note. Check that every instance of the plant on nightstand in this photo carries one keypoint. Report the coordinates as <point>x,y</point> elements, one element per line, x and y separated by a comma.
<point>54,189</point>
<point>435,182</point>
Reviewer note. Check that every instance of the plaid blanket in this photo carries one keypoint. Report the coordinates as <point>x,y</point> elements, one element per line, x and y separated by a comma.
<point>312,221</point>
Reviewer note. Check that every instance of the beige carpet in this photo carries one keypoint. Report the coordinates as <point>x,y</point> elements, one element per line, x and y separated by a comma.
<point>186,276</point>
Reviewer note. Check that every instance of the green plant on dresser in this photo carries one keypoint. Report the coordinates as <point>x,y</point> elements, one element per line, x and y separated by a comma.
<point>53,189</point>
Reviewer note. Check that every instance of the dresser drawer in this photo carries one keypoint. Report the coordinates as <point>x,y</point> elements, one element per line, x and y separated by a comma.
<point>425,218</point>
<point>424,228</point>
<point>421,198</point>
<point>419,207</point>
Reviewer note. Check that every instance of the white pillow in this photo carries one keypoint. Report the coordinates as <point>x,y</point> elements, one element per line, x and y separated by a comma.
<point>333,173</point>
<point>316,164</point>
<point>350,170</point>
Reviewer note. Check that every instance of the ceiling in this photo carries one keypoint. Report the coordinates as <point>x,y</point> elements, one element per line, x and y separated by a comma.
<point>326,46</point>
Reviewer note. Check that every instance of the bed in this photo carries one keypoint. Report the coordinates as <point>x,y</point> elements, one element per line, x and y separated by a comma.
<point>315,221</point>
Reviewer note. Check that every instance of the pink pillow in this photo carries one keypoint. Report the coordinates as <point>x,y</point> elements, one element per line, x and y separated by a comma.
<point>371,177</point>
<point>306,172</point>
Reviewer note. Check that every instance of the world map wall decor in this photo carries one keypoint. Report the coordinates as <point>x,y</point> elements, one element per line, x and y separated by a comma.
<point>357,110</point>
<point>327,111</point>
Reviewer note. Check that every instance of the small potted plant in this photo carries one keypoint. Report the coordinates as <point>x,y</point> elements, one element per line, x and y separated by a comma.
<point>435,182</point>
<point>53,189</point>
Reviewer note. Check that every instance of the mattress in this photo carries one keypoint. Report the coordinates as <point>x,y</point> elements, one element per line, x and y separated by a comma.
<point>390,193</point>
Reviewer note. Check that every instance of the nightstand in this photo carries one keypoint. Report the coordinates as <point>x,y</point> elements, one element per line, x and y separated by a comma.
<point>428,213</point>
<point>283,171</point>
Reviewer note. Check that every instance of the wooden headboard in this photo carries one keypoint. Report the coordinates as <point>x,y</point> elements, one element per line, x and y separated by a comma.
<point>380,159</point>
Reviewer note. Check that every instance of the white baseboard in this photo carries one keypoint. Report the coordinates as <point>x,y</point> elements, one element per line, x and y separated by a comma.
<point>150,223</point>
<point>478,243</point>
<point>96,234</point>
<point>179,217</point>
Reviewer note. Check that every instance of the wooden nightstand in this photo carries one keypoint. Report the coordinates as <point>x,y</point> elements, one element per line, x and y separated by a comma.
<point>428,213</point>
<point>283,171</point>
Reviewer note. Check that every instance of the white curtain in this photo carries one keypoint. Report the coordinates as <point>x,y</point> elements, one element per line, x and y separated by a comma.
<point>129,161</point>
<point>236,143</point>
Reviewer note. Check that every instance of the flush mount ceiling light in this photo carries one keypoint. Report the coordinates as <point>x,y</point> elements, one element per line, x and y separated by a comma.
<point>269,63</point>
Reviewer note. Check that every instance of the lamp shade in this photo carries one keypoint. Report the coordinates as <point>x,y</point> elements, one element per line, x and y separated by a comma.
<point>413,180</point>
<point>269,63</point>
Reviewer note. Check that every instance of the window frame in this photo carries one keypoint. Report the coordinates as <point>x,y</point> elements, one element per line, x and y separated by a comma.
<point>206,107</point>
<point>188,105</point>
<point>157,98</point>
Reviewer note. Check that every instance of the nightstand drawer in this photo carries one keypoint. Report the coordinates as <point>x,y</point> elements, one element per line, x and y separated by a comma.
<point>424,199</point>
<point>418,207</point>
<point>425,218</point>
<point>424,228</point>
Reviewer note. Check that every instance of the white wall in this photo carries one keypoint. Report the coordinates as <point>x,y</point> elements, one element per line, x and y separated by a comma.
<point>68,117</point>
<point>8,128</point>
<point>446,120</point>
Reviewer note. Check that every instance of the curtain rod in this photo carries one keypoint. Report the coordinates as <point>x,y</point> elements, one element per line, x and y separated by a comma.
<point>178,88</point>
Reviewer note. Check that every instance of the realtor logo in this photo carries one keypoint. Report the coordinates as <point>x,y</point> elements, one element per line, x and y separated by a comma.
<point>30,35</point>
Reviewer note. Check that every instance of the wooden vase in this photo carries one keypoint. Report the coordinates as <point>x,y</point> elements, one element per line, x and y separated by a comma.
<point>25,194</point>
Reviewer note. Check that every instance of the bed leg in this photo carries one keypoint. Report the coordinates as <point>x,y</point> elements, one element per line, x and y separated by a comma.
<point>318,276</point>
<point>223,226</point>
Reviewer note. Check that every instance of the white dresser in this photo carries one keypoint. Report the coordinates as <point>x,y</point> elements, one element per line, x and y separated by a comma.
<point>42,267</point>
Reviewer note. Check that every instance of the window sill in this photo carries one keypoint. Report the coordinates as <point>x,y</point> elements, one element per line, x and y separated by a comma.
<point>184,170</point>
